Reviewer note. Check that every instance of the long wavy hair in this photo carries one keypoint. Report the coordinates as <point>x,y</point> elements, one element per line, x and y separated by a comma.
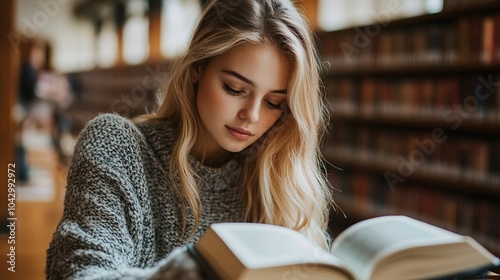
<point>283,177</point>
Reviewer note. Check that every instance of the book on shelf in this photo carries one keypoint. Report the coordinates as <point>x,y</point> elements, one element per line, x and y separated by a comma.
<point>457,40</point>
<point>365,195</point>
<point>436,154</point>
<point>388,247</point>
<point>471,98</point>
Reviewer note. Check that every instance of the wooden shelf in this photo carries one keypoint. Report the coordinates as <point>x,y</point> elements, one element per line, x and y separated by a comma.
<point>405,65</point>
<point>485,126</point>
<point>445,15</point>
<point>458,181</point>
<point>376,79</point>
<point>415,70</point>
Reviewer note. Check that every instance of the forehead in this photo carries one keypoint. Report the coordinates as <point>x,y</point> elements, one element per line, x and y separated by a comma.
<point>264,64</point>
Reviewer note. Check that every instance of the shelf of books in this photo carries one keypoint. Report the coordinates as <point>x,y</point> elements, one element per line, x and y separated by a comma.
<point>415,106</point>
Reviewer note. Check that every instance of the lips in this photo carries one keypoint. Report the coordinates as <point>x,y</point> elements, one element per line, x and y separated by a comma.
<point>239,133</point>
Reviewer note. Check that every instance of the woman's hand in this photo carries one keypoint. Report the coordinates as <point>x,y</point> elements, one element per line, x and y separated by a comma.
<point>179,266</point>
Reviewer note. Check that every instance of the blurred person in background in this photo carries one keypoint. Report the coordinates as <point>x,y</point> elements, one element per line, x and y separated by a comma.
<point>41,94</point>
<point>33,61</point>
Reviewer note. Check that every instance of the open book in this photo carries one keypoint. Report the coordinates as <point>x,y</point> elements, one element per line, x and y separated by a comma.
<point>383,248</point>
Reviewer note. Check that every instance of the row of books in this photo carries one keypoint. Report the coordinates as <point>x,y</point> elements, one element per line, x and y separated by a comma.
<point>471,97</point>
<point>477,217</point>
<point>435,152</point>
<point>472,39</point>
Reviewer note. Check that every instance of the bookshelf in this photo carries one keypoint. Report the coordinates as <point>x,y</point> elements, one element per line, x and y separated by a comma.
<point>415,127</point>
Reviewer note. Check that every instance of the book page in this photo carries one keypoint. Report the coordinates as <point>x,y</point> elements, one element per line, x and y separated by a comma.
<point>365,243</point>
<point>260,245</point>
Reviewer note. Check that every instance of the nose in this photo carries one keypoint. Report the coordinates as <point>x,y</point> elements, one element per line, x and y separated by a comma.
<point>250,111</point>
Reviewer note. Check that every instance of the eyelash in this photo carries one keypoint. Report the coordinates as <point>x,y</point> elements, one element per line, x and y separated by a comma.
<point>234,92</point>
<point>231,90</point>
<point>273,106</point>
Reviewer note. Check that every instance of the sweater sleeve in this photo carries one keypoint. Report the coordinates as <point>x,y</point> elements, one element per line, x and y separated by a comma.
<point>96,237</point>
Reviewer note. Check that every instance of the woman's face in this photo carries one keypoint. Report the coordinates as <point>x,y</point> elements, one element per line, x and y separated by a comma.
<point>241,94</point>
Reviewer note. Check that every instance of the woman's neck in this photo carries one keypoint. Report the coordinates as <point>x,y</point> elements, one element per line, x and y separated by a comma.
<point>211,157</point>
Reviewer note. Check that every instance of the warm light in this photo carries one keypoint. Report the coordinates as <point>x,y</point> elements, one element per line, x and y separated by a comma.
<point>107,44</point>
<point>339,14</point>
<point>136,34</point>
<point>178,21</point>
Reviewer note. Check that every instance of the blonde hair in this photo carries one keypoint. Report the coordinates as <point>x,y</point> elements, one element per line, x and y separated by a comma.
<point>284,181</point>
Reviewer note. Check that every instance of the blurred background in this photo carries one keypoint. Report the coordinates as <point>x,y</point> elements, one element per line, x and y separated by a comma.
<point>412,86</point>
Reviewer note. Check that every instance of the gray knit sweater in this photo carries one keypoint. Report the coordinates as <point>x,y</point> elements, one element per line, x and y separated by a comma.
<point>122,215</point>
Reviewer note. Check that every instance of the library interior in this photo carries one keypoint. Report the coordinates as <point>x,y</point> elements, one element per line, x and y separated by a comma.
<point>412,88</point>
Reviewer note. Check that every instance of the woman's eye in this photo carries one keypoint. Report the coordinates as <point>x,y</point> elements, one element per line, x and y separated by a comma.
<point>272,105</point>
<point>231,90</point>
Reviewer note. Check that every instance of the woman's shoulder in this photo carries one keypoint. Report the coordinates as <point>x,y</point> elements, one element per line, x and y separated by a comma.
<point>111,126</point>
<point>112,119</point>
<point>107,133</point>
<point>161,134</point>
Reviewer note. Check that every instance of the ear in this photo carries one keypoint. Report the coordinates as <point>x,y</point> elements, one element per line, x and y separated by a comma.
<point>196,73</point>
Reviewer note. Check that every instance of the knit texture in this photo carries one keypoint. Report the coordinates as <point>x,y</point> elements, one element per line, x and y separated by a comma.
<point>122,215</point>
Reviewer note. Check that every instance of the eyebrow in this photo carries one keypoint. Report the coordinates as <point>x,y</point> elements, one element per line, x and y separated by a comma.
<point>248,81</point>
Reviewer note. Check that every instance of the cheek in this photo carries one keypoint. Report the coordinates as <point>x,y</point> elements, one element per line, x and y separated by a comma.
<point>207,96</point>
<point>271,119</point>
<point>220,107</point>
<point>213,102</point>
<point>221,103</point>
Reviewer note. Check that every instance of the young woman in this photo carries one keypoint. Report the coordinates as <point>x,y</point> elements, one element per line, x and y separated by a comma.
<point>236,138</point>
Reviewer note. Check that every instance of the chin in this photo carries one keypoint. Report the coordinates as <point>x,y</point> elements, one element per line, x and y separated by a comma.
<point>235,148</point>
